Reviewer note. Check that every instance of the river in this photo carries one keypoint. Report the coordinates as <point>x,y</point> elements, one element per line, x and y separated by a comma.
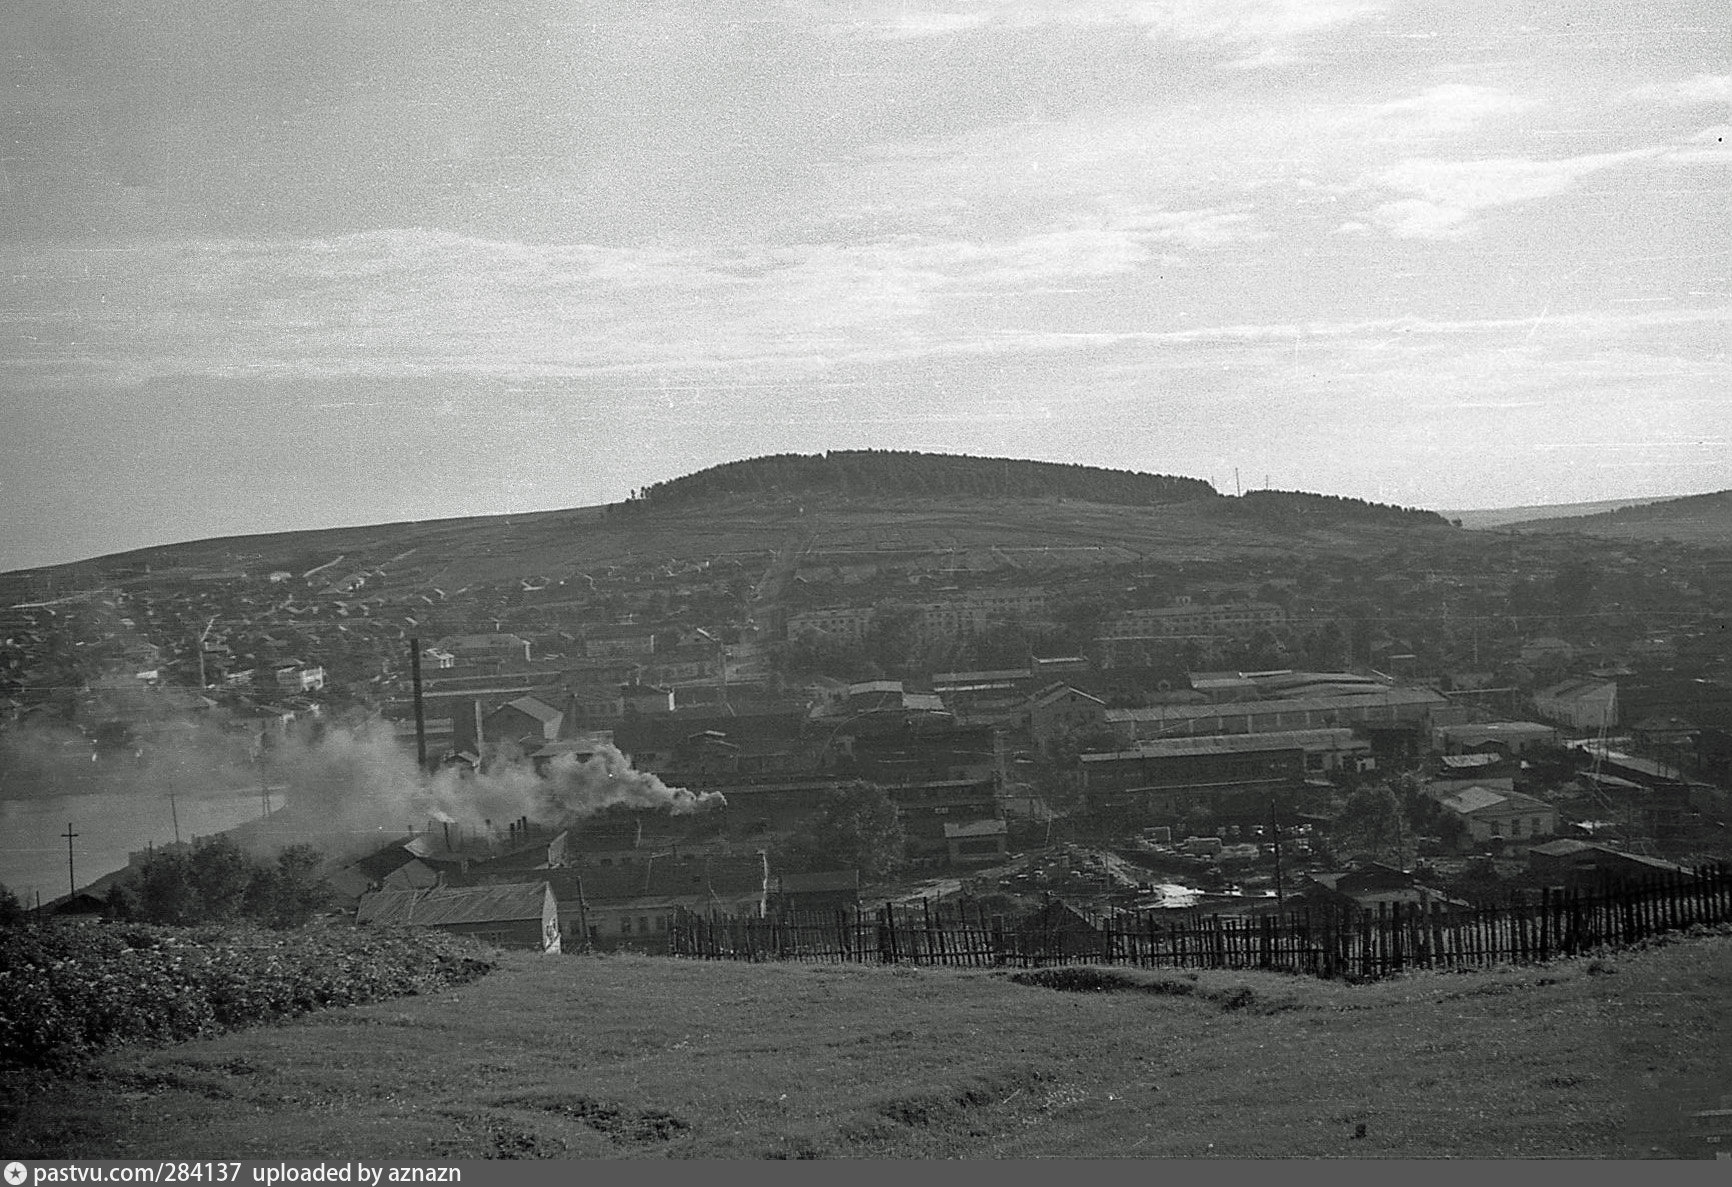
<point>108,825</point>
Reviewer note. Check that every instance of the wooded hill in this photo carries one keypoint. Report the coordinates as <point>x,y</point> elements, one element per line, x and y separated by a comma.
<point>874,473</point>
<point>899,473</point>
<point>841,500</point>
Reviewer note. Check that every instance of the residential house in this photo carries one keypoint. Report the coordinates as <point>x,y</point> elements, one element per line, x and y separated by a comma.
<point>684,664</point>
<point>836,622</point>
<point>977,842</point>
<point>1583,705</point>
<point>817,891</point>
<point>1502,815</point>
<point>632,904</point>
<point>415,863</point>
<point>527,722</point>
<point>1504,737</point>
<point>1060,709</point>
<point>300,679</point>
<point>1588,864</point>
<point>1185,620</point>
<point>497,647</point>
<point>612,642</point>
<point>1375,885</point>
<point>928,807</point>
<point>642,700</point>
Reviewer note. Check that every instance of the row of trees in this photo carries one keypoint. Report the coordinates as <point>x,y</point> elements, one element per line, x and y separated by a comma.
<point>218,882</point>
<point>900,474</point>
<point>214,882</point>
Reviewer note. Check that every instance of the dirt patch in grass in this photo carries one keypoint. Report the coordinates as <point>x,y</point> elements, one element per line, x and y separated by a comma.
<point>1097,979</point>
<point>619,1122</point>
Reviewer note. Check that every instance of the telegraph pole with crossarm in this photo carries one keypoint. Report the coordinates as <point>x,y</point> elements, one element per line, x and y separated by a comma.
<point>71,883</point>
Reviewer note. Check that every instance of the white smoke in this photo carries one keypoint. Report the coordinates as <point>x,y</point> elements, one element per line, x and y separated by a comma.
<point>355,779</point>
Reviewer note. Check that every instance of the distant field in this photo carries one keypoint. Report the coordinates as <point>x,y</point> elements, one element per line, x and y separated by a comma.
<point>1498,517</point>
<point>1697,519</point>
<point>622,1057</point>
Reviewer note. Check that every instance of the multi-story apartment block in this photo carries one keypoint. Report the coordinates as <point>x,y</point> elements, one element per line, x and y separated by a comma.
<point>838,622</point>
<point>1176,622</point>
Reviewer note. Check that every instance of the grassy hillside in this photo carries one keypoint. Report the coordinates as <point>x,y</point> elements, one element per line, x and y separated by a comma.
<point>843,500</point>
<point>450,554</point>
<point>1698,519</point>
<point>1497,517</point>
<point>632,1057</point>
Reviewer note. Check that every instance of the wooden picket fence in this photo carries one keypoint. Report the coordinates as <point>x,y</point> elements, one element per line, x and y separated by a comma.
<point>1318,942</point>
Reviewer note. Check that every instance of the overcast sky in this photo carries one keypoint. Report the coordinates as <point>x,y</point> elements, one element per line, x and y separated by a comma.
<point>302,263</point>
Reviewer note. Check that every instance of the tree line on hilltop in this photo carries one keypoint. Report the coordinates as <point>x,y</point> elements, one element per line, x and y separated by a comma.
<point>1295,504</point>
<point>901,473</point>
<point>906,474</point>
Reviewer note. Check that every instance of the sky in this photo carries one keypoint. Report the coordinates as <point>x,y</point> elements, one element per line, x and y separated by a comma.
<point>326,262</point>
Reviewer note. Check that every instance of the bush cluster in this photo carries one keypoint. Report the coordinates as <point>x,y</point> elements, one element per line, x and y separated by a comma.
<point>217,882</point>
<point>68,991</point>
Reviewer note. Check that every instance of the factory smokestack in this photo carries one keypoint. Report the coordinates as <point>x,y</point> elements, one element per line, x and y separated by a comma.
<point>420,712</point>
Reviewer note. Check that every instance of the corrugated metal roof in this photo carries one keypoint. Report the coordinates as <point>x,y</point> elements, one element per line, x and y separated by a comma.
<point>1497,729</point>
<point>445,905</point>
<point>1382,697</point>
<point>1462,762</point>
<point>665,876</point>
<point>1274,740</point>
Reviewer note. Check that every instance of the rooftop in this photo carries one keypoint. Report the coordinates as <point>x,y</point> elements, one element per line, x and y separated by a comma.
<point>1276,740</point>
<point>444,905</point>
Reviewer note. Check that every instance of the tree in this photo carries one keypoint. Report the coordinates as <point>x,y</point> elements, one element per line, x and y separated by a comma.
<point>121,902</point>
<point>299,892</point>
<point>220,874</point>
<point>11,910</point>
<point>1374,822</point>
<point>165,890</point>
<point>857,827</point>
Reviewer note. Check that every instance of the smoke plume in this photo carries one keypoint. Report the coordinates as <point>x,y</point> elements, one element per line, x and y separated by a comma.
<point>358,781</point>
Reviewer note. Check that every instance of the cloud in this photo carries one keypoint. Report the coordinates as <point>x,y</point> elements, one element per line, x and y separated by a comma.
<point>909,25</point>
<point>1446,194</point>
<point>1230,23</point>
<point>1448,110</point>
<point>1415,218</point>
<point>1694,91</point>
<point>419,302</point>
<point>1711,146</point>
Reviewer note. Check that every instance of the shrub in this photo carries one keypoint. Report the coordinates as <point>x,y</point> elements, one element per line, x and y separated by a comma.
<point>68,991</point>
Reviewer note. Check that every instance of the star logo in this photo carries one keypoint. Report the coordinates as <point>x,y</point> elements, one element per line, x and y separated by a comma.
<point>15,1173</point>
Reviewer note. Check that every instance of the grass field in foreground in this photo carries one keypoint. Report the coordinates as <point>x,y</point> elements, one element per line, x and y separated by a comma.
<point>577,1057</point>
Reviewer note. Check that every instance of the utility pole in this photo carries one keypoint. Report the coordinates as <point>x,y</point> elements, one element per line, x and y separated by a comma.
<point>174,814</point>
<point>71,882</point>
<point>205,634</point>
<point>1275,828</point>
